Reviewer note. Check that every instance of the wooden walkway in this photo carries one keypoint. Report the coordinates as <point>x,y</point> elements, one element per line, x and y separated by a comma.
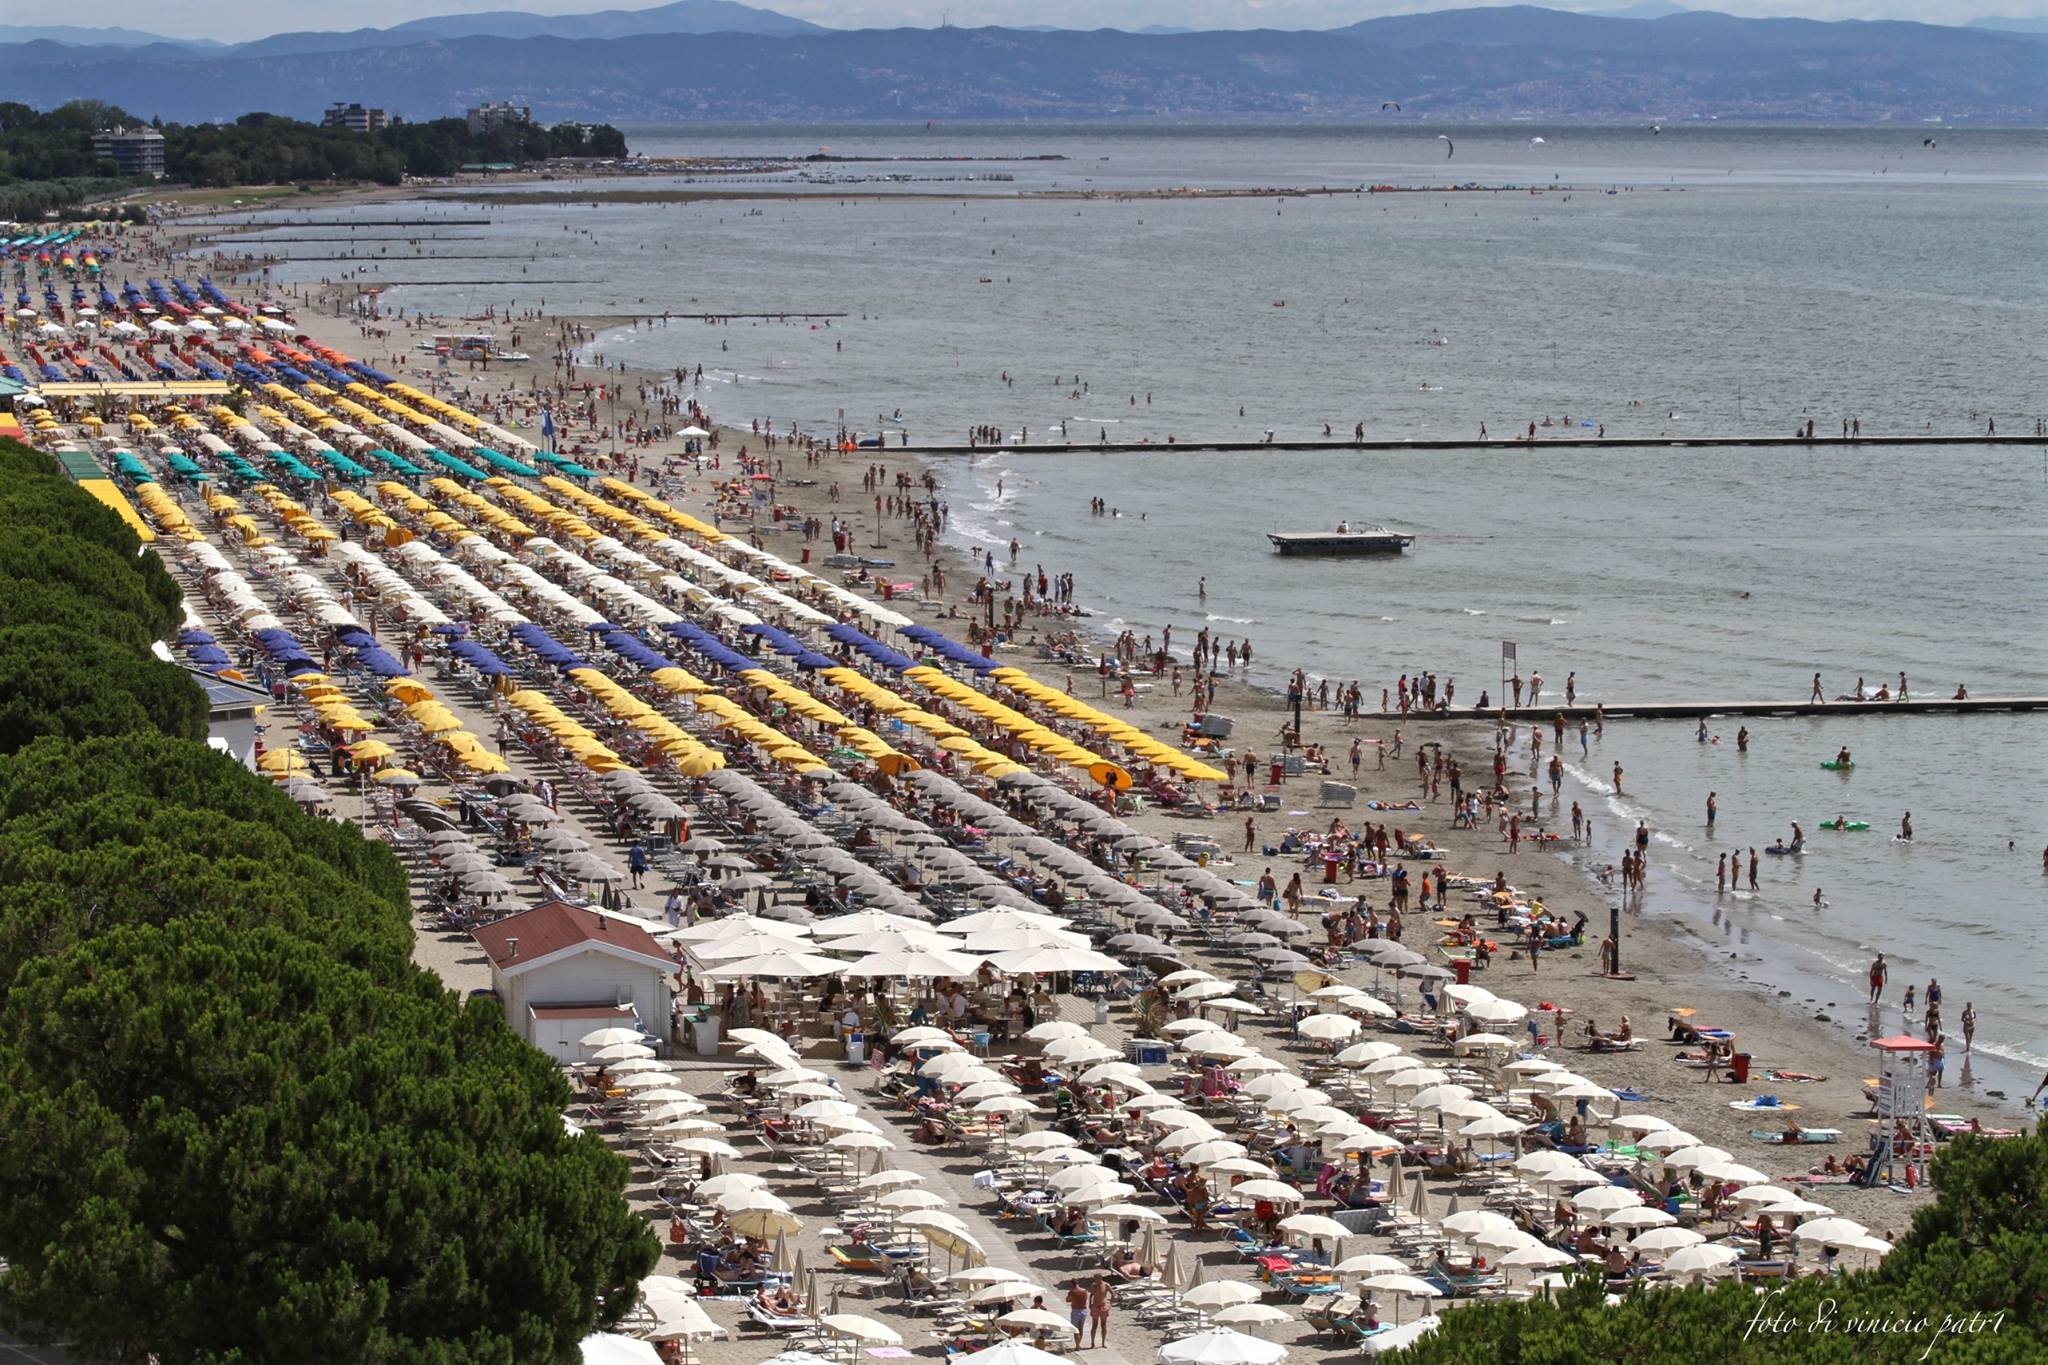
<point>1575,442</point>
<point>1684,710</point>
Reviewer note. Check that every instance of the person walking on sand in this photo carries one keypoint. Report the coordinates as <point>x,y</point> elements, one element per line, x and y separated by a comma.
<point>1969,1024</point>
<point>1077,1309</point>
<point>1098,1312</point>
<point>1251,833</point>
<point>1878,972</point>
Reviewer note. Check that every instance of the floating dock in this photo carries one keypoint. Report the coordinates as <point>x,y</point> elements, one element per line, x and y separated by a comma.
<point>1691,710</point>
<point>1508,447</point>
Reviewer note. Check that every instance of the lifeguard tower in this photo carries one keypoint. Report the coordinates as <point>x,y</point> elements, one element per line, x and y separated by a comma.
<point>1902,1133</point>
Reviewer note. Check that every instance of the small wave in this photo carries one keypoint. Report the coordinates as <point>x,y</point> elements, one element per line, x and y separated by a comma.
<point>1234,620</point>
<point>1470,612</point>
<point>1584,778</point>
<point>1560,620</point>
<point>2007,1053</point>
<point>1660,837</point>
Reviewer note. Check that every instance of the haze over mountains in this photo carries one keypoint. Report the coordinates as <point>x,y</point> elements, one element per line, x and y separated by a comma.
<point>702,60</point>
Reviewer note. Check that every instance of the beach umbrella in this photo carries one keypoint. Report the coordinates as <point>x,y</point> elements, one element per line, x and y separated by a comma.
<point>1640,1123</point>
<point>1314,1225</point>
<point>1370,1263</point>
<point>861,1329</point>
<point>1537,1257</point>
<point>1221,1346</point>
<point>1220,1294</point>
<point>912,1198</point>
<point>1274,1191</point>
<point>1642,1216</point>
<point>1666,1140</point>
<point>1665,1239</point>
<point>729,1185</point>
<point>609,1348</point>
<point>1252,1315</point>
<point>1701,1258</point>
<point>1472,1222</point>
<point>1690,1158</point>
<point>1606,1199</point>
<point>1733,1172</point>
<point>1830,1231</point>
<point>607,1037</point>
<point>1327,1028</point>
<point>1015,1351</point>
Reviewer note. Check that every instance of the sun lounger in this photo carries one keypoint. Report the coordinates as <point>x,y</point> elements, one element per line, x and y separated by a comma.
<point>762,1317</point>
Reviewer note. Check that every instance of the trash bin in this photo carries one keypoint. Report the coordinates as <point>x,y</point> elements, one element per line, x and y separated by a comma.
<point>704,1034</point>
<point>856,1048</point>
<point>1462,968</point>
<point>1738,1068</point>
<point>1101,1009</point>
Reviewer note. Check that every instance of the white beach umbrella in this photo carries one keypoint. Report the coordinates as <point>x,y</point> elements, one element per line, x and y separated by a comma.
<point>1221,1346</point>
<point>1666,1239</point>
<point>1641,1216</point>
<point>1830,1231</point>
<point>1701,1258</point>
<point>1219,1294</point>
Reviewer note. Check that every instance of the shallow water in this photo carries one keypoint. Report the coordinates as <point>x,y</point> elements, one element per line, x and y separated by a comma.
<point>1740,280</point>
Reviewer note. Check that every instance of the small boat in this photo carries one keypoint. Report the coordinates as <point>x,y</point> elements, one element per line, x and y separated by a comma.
<point>1345,540</point>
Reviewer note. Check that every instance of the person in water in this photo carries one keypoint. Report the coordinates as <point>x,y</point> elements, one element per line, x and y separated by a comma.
<point>1906,826</point>
<point>1842,759</point>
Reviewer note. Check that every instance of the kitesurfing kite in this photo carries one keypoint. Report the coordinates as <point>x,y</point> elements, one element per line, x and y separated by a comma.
<point>1536,142</point>
<point>1450,147</point>
<point>1389,104</point>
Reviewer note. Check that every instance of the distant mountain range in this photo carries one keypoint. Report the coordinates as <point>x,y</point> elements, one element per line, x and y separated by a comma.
<point>1515,61</point>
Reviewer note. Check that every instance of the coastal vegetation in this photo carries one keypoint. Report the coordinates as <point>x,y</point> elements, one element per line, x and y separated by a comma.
<point>47,160</point>
<point>1968,1282</point>
<point>240,1123</point>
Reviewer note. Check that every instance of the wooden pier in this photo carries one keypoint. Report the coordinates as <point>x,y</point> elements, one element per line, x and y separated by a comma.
<point>1692,710</point>
<point>1588,441</point>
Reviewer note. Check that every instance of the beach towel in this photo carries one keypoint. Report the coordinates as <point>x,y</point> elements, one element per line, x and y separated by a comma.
<point>1770,1103</point>
<point>1792,1076</point>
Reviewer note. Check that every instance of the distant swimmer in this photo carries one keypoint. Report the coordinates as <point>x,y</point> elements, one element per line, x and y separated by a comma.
<point>1842,759</point>
<point>1928,142</point>
<point>1906,826</point>
<point>1450,147</point>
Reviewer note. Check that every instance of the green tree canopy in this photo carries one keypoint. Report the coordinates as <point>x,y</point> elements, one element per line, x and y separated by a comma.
<point>225,1146</point>
<point>237,1123</point>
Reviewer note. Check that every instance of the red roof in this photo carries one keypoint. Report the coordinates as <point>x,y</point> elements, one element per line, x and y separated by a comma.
<point>548,929</point>
<point>1902,1042</point>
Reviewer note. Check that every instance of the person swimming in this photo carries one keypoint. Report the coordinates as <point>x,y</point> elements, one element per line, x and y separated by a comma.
<point>1842,759</point>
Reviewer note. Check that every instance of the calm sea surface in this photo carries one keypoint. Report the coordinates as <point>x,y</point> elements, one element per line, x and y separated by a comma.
<point>1736,280</point>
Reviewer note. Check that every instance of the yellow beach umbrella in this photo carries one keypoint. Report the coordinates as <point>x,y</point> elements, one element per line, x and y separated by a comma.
<point>283,763</point>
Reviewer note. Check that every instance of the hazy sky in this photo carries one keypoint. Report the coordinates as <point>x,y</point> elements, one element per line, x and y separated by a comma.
<point>241,19</point>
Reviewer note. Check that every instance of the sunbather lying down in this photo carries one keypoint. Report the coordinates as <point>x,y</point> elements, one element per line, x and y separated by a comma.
<point>778,1301</point>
